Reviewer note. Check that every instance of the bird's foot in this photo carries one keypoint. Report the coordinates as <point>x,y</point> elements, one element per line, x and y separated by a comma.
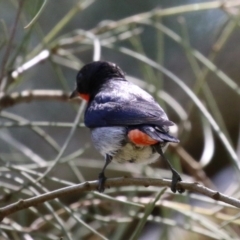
<point>175,179</point>
<point>101,182</point>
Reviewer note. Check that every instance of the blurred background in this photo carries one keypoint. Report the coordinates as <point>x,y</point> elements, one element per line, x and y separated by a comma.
<point>185,53</point>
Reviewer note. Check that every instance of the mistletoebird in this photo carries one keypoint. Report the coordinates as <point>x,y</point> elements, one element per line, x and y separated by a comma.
<point>126,123</point>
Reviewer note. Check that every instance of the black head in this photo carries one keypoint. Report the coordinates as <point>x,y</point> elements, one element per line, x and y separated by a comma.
<point>91,77</point>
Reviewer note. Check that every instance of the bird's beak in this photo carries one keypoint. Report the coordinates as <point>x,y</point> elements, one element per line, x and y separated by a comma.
<point>74,94</point>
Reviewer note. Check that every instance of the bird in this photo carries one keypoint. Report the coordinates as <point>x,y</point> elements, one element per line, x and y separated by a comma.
<point>126,123</point>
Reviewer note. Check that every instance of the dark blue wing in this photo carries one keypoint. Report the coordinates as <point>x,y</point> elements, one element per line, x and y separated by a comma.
<point>124,104</point>
<point>158,134</point>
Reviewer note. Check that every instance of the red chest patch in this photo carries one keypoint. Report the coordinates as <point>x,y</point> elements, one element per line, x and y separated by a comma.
<point>84,96</point>
<point>141,138</point>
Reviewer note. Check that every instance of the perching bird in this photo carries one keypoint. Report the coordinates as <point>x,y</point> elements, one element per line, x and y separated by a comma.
<point>126,123</point>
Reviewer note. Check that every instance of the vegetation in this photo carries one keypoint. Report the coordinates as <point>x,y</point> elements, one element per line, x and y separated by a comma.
<point>185,53</point>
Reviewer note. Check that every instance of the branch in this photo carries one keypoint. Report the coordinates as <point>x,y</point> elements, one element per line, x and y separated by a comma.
<point>167,12</point>
<point>114,182</point>
<point>8,100</point>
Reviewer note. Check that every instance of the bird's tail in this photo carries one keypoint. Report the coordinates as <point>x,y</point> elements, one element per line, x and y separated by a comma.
<point>158,134</point>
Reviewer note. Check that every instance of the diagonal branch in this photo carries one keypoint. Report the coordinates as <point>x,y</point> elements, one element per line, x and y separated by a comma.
<point>114,182</point>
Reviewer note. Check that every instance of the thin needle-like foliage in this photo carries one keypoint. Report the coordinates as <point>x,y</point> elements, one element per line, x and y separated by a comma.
<point>185,54</point>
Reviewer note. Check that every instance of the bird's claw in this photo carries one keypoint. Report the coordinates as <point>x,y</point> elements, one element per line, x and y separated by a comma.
<point>174,186</point>
<point>101,182</point>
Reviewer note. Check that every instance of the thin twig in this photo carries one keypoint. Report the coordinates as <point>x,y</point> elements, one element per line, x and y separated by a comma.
<point>114,182</point>
<point>8,100</point>
<point>9,46</point>
<point>35,18</point>
<point>167,12</point>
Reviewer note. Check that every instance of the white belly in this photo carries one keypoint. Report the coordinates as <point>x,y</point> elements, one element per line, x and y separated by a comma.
<point>114,141</point>
<point>136,154</point>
